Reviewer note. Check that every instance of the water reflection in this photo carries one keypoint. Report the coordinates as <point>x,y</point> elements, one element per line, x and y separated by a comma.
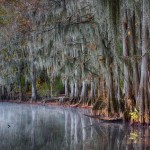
<point>26,127</point>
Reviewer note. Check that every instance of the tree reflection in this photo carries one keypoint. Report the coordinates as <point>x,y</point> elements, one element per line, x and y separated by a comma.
<point>44,128</point>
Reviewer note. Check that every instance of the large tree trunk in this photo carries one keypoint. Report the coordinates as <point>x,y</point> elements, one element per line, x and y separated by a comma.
<point>114,16</point>
<point>127,85</point>
<point>133,48</point>
<point>143,88</point>
<point>110,89</point>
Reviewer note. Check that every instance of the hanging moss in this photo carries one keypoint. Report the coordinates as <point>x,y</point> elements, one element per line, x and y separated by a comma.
<point>78,41</point>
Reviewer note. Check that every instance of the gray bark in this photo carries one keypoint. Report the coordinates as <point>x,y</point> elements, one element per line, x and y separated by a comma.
<point>19,83</point>
<point>72,89</point>
<point>135,63</point>
<point>110,91</point>
<point>66,88</point>
<point>26,84</point>
<point>76,92</point>
<point>83,91</point>
<point>92,89</point>
<point>33,80</point>
<point>127,86</point>
<point>143,88</point>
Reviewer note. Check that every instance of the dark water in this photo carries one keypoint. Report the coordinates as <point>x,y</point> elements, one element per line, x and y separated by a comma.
<point>27,127</point>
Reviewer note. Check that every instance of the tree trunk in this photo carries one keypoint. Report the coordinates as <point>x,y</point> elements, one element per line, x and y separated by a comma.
<point>83,91</point>
<point>19,83</point>
<point>72,89</point>
<point>26,83</point>
<point>127,86</point>
<point>66,87</point>
<point>92,91</point>
<point>143,88</point>
<point>133,48</point>
<point>0,92</point>
<point>118,89</point>
<point>33,81</point>
<point>76,90</point>
<point>110,90</point>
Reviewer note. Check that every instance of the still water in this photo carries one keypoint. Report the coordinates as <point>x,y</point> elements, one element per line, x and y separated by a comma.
<point>29,127</point>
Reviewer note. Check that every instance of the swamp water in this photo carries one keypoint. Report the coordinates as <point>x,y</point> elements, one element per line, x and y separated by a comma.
<point>29,127</point>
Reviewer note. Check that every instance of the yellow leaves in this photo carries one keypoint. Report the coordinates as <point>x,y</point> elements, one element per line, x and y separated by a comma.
<point>134,115</point>
<point>133,136</point>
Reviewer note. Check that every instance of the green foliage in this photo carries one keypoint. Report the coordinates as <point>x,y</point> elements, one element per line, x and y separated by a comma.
<point>3,21</point>
<point>58,86</point>
<point>42,88</point>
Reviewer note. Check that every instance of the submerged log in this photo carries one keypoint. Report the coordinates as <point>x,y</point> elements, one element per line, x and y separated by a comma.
<point>106,119</point>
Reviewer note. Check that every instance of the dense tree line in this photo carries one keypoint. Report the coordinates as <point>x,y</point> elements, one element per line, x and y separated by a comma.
<point>98,49</point>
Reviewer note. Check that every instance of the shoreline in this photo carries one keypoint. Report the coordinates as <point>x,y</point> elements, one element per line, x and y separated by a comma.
<point>67,105</point>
